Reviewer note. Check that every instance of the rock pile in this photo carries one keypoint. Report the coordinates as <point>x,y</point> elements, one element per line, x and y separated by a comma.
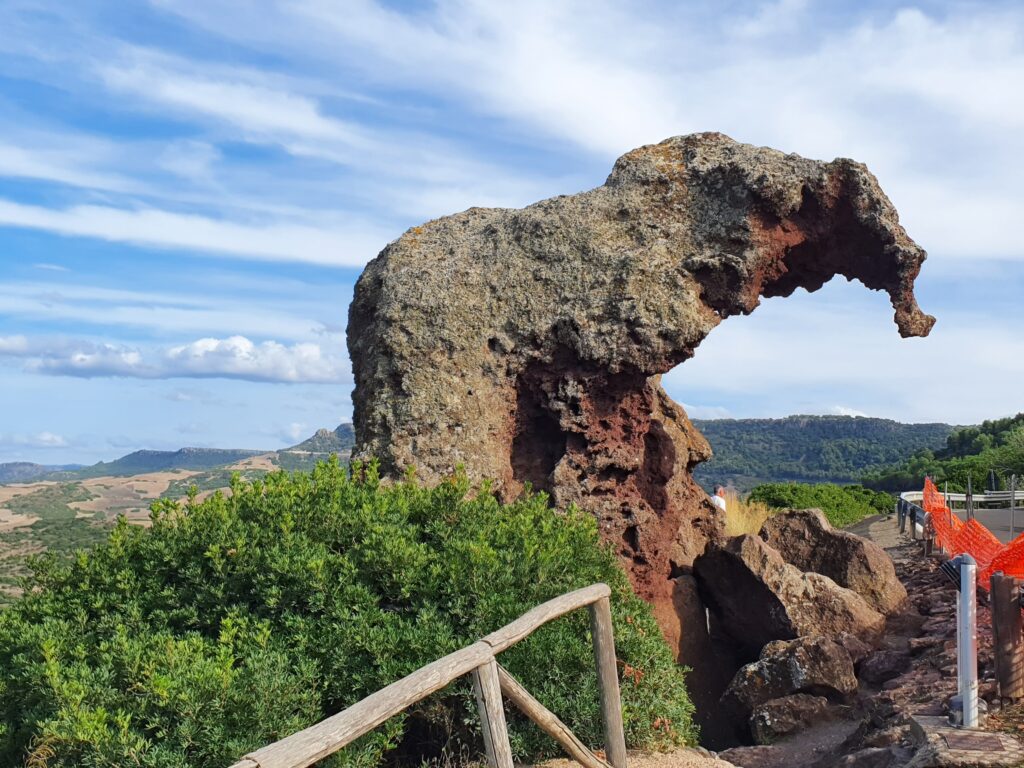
<point>769,597</point>
<point>527,345</point>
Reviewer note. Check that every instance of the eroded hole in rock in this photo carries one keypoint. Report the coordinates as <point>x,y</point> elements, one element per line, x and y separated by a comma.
<point>539,441</point>
<point>657,468</point>
<point>631,538</point>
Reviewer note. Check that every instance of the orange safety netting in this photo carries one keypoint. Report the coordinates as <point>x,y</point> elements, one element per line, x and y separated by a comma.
<point>956,537</point>
<point>946,524</point>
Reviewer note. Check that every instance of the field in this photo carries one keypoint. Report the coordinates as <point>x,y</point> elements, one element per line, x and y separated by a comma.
<point>65,515</point>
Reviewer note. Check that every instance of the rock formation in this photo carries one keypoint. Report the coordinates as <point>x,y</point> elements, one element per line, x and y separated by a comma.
<point>527,344</point>
<point>813,665</point>
<point>806,539</point>
<point>756,597</point>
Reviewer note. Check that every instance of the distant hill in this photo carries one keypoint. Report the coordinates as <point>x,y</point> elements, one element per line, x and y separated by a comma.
<point>144,461</point>
<point>25,471</point>
<point>60,509</point>
<point>339,441</point>
<point>814,449</point>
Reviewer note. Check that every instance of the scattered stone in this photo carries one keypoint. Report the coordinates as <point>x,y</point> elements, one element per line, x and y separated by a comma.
<point>872,757</point>
<point>919,644</point>
<point>780,717</point>
<point>757,597</point>
<point>854,646</point>
<point>813,665</point>
<point>888,737</point>
<point>806,539</point>
<point>881,666</point>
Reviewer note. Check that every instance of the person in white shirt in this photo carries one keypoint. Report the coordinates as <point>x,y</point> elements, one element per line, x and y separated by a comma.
<point>719,497</point>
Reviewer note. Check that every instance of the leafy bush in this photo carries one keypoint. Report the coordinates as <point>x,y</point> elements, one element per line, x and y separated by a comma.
<point>842,504</point>
<point>235,621</point>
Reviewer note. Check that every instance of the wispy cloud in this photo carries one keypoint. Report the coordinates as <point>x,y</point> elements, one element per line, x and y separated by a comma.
<point>165,229</point>
<point>235,357</point>
<point>44,440</point>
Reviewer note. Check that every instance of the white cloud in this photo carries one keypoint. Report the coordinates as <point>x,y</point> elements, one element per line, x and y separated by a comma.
<point>216,310</point>
<point>66,166</point>
<point>238,357</point>
<point>707,411</point>
<point>13,345</point>
<point>843,410</point>
<point>36,440</point>
<point>235,357</point>
<point>804,353</point>
<point>259,109</point>
<point>148,226</point>
<point>294,432</point>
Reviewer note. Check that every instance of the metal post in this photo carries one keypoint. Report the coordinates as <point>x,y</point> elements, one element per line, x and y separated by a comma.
<point>970,500</point>
<point>928,534</point>
<point>1013,501</point>
<point>967,641</point>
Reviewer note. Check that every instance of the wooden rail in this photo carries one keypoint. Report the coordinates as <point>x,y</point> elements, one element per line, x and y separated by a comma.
<point>489,682</point>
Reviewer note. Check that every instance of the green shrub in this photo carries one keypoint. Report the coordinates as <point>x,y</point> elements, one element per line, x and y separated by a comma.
<point>843,505</point>
<point>235,621</point>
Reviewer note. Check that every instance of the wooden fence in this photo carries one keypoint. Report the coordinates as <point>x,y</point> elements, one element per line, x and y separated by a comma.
<point>490,681</point>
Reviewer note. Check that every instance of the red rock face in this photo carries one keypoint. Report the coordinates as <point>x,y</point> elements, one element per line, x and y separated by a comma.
<point>527,345</point>
<point>617,446</point>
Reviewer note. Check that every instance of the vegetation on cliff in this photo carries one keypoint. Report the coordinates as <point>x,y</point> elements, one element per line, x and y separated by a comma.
<point>969,452</point>
<point>842,505</point>
<point>235,621</point>
<point>815,449</point>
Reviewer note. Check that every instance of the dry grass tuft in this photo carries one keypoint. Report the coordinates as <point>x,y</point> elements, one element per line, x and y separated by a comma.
<point>744,516</point>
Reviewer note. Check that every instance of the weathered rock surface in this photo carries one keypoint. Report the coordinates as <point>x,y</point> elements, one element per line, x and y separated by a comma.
<point>813,665</point>
<point>883,665</point>
<point>806,539</point>
<point>778,718</point>
<point>758,597</point>
<point>527,344</point>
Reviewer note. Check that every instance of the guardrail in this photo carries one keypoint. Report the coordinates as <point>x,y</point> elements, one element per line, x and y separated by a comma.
<point>490,681</point>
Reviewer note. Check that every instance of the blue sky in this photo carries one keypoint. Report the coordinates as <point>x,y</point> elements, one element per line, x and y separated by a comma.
<point>189,189</point>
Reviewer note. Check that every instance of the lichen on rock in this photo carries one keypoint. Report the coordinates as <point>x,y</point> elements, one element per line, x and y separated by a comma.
<point>527,345</point>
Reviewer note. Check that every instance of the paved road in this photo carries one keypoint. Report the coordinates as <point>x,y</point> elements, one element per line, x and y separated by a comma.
<point>998,521</point>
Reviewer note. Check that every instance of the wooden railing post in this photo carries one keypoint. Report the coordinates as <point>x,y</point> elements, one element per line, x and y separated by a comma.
<point>1006,636</point>
<point>608,682</point>
<point>492,714</point>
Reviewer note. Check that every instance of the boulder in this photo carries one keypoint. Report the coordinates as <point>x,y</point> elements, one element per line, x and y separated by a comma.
<point>806,539</point>
<point>813,665</point>
<point>778,718</point>
<point>883,665</point>
<point>757,597</point>
<point>527,345</point>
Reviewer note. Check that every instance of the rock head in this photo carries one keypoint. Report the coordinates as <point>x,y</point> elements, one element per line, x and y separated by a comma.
<point>526,345</point>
